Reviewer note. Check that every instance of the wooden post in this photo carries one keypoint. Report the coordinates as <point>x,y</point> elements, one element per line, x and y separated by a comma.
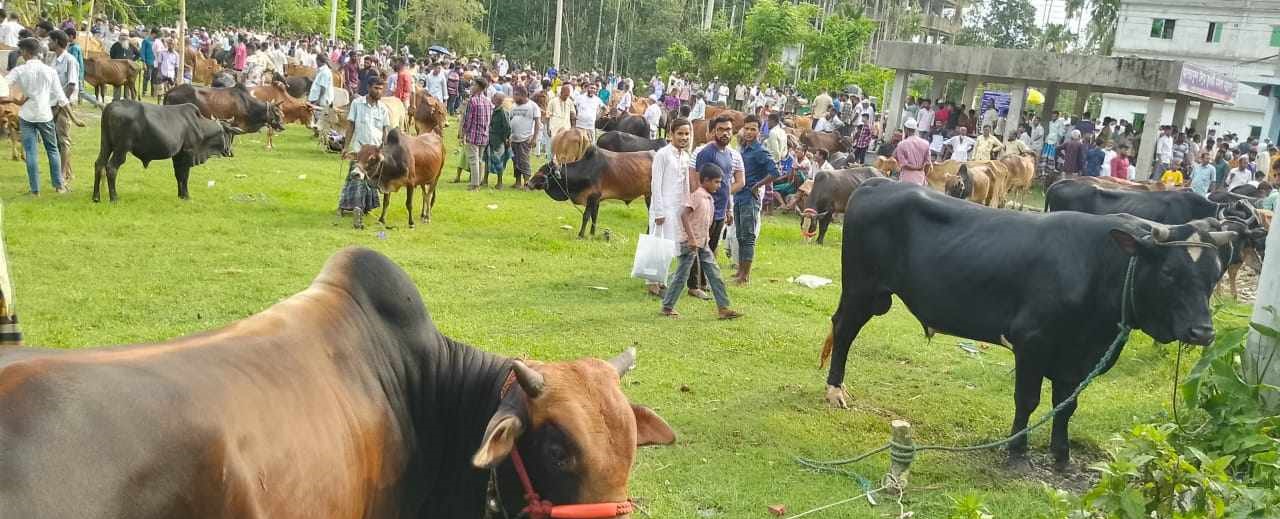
<point>359,21</point>
<point>182,46</point>
<point>10,333</point>
<point>900,461</point>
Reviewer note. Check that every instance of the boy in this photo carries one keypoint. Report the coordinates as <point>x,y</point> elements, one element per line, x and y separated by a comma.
<point>695,223</point>
<point>1172,177</point>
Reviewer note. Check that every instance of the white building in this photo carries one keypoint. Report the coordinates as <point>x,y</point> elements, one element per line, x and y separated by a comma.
<point>1238,38</point>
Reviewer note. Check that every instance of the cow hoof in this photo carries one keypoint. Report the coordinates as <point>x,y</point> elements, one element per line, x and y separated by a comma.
<point>837,397</point>
<point>1063,467</point>
<point>1018,464</point>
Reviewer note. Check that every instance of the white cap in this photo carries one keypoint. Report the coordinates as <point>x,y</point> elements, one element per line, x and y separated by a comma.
<point>910,124</point>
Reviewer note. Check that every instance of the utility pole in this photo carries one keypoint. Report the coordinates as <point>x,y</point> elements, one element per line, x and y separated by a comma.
<point>595,59</point>
<point>333,21</point>
<point>182,43</point>
<point>617,15</point>
<point>359,22</point>
<point>555,58</point>
<point>707,14</point>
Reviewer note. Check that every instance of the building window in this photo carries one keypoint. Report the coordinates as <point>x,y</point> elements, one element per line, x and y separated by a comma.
<point>1275,36</point>
<point>1215,33</point>
<point>1163,28</point>
<point>1255,132</point>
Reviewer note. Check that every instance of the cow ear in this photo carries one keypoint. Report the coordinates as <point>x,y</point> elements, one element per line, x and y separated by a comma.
<point>499,438</point>
<point>651,429</point>
<point>1129,241</point>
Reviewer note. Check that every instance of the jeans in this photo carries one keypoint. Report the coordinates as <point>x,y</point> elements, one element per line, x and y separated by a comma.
<point>697,280</point>
<point>452,104</point>
<point>44,132</point>
<point>498,157</point>
<point>745,215</point>
<point>475,161</point>
<point>688,257</point>
<point>85,95</point>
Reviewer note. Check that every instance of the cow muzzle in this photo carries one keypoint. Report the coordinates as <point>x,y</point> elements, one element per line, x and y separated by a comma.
<point>1200,335</point>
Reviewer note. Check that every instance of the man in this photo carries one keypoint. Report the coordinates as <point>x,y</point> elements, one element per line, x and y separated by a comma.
<point>69,80</point>
<point>821,103</point>
<point>760,169</point>
<point>475,130</point>
<point>1037,136</point>
<point>912,155</point>
<point>1073,155</point>
<point>1202,175</point>
<point>730,162</point>
<point>961,145</point>
<point>499,149</point>
<point>503,66</point>
<point>1265,156</point>
<point>369,118</point>
<point>74,50</point>
<point>1181,148</point>
<point>35,119</point>
<point>525,124</point>
<point>740,100</point>
<point>149,61</point>
<point>776,142</point>
<point>1094,158</point>
<point>1239,176</point>
<point>987,146</point>
<point>1053,138</point>
<point>699,110</point>
<point>9,29</point>
<point>653,116</point>
<point>560,112</point>
<point>924,118</point>
<point>828,122</point>
<point>321,93</point>
<point>1164,152</point>
<point>588,107</point>
<point>437,83</point>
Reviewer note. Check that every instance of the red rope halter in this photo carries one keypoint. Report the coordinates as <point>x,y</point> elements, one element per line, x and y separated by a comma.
<point>537,508</point>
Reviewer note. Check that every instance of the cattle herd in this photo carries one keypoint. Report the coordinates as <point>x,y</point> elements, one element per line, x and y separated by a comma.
<point>415,424</point>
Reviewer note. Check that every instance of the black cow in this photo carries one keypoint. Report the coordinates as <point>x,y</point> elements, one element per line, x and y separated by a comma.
<point>224,79</point>
<point>152,132</point>
<point>1048,286</point>
<point>622,141</point>
<point>235,104</point>
<point>633,124</point>
<point>343,401</point>
<point>830,195</point>
<point>298,86</point>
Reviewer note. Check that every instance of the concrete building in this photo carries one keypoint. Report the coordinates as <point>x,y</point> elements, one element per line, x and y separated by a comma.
<point>1236,38</point>
<point>940,20</point>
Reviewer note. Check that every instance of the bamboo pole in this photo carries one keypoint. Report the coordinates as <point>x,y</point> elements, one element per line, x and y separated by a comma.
<point>555,59</point>
<point>333,21</point>
<point>359,22</point>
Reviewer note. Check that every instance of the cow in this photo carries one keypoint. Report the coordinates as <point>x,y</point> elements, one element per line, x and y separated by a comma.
<point>408,162</point>
<point>292,109</point>
<point>298,86</point>
<point>622,141</point>
<point>830,141</point>
<point>226,78</point>
<point>9,122</point>
<point>633,124</point>
<point>599,175</point>
<point>1022,174</point>
<point>799,122</point>
<point>203,68</point>
<point>151,132</point>
<point>830,194</point>
<point>738,118</point>
<point>1172,208</point>
<point>972,182</point>
<point>569,145</point>
<point>342,401</point>
<point>100,71</point>
<point>397,113</point>
<point>428,113</point>
<point>235,104</point>
<point>1054,303</point>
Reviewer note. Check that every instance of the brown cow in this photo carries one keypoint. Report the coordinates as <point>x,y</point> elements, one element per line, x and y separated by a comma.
<point>428,113</point>
<point>293,109</point>
<point>799,122</point>
<point>738,117</point>
<point>397,113</point>
<point>9,121</point>
<point>342,401</point>
<point>233,104</point>
<point>830,141</point>
<point>972,182</point>
<point>202,68</point>
<point>569,145</point>
<point>100,71</point>
<point>599,175</point>
<point>1022,174</point>
<point>404,161</point>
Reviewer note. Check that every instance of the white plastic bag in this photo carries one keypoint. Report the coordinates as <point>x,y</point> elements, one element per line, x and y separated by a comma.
<point>653,258</point>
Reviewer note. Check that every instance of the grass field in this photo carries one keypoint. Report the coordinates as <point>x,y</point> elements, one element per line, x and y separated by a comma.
<point>744,396</point>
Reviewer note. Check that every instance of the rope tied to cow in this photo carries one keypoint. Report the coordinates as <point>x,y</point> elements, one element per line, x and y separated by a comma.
<point>903,453</point>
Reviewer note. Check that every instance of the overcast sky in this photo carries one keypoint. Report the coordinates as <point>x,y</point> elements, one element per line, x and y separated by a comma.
<point>1054,11</point>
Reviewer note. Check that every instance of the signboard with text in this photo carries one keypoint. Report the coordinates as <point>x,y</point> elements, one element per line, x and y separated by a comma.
<point>1207,83</point>
<point>1000,100</point>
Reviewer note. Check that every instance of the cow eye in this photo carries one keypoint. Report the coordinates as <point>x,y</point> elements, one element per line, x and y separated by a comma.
<point>559,456</point>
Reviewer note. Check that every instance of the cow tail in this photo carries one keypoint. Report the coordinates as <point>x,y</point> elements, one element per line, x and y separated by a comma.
<point>827,346</point>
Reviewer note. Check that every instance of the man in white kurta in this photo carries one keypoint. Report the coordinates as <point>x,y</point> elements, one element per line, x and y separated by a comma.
<point>669,185</point>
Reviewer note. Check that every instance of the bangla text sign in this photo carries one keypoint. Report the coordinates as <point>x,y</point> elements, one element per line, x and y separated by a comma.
<point>1207,83</point>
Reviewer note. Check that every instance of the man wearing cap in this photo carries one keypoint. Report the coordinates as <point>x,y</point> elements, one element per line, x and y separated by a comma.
<point>912,155</point>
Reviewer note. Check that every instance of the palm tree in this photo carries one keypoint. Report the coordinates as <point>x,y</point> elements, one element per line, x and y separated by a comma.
<point>1103,19</point>
<point>1056,37</point>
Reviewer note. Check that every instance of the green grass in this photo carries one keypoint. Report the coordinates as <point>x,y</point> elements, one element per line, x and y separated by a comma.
<point>511,280</point>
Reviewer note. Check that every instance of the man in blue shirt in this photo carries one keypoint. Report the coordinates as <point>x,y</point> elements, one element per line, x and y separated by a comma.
<point>1093,158</point>
<point>149,61</point>
<point>719,153</point>
<point>74,50</point>
<point>760,171</point>
<point>1202,175</point>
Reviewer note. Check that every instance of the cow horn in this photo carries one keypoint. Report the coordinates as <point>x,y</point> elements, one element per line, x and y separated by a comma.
<point>529,379</point>
<point>625,361</point>
<point>1222,238</point>
<point>1160,233</point>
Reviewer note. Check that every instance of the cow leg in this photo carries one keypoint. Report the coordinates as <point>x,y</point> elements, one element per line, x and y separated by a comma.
<point>113,167</point>
<point>428,200</point>
<point>593,206</point>
<point>408,204</point>
<point>1058,443</point>
<point>1026,397</point>
<point>589,213</point>
<point>182,173</point>
<point>823,222</point>
<point>386,200</point>
<point>98,167</point>
<point>1232,270</point>
<point>270,134</point>
<point>855,309</point>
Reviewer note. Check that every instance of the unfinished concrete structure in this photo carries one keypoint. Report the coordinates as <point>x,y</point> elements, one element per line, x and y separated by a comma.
<point>1154,79</point>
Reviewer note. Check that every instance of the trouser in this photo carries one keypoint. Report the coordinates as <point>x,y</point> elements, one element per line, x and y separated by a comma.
<point>62,128</point>
<point>860,155</point>
<point>689,256</point>
<point>453,103</point>
<point>148,78</point>
<point>475,162</point>
<point>745,216</point>
<point>85,95</point>
<point>44,132</point>
<point>698,279</point>
<point>497,158</point>
<point>520,156</point>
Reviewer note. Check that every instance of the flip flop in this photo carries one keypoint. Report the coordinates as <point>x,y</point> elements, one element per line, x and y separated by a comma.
<point>728,315</point>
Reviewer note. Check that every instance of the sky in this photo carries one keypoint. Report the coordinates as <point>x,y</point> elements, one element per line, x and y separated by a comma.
<point>1054,11</point>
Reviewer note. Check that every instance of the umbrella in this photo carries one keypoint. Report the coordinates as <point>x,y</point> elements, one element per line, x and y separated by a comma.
<point>436,49</point>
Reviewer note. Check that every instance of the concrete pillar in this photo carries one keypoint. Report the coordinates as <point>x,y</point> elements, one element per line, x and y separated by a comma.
<point>1180,107</point>
<point>1260,350</point>
<point>898,97</point>
<point>1050,102</point>
<point>1270,119</point>
<point>1082,97</point>
<point>1202,118</point>
<point>939,87</point>
<point>1017,101</point>
<point>1150,132</point>
<point>970,89</point>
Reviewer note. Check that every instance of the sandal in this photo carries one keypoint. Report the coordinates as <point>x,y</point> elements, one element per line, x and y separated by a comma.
<point>700,294</point>
<point>670,312</point>
<point>727,314</point>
